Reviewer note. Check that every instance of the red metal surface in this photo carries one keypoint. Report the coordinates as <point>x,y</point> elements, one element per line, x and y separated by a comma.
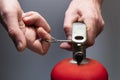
<point>93,70</point>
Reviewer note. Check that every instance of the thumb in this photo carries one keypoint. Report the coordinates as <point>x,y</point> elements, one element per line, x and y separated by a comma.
<point>14,31</point>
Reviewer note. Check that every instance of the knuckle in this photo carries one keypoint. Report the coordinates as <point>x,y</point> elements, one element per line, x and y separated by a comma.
<point>94,18</point>
<point>7,12</point>
<point>90,43</point>
<point>12,33</point>
<point>66,12</point>
<point>34,12</point>
<point>42,53</point>
<point>102,24</point>
<point>66,27</point>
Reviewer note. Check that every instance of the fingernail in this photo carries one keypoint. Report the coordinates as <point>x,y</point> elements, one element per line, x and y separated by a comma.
<point>19,46</point>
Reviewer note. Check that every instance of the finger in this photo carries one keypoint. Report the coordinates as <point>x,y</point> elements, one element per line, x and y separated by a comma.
<point>44,36</point>
<point>68,21</point>
<point>39,47</point>
<point>66,46</point>
<point>100,25</point>
<point>27,14</point>
<point>34,18</point>
<point>32,43</point>
<point>36,45</point>
<point>70,18</point>
<point>15,32</point>
<point>91,31</point>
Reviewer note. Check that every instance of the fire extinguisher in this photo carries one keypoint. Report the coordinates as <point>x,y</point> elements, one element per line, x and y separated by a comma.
<point>79,67</point>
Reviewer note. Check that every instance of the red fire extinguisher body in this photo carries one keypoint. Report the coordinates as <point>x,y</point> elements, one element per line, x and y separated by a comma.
<point>92,70</point>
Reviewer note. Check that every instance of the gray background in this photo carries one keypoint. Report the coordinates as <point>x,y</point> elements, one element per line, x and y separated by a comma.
<point>28,65</point>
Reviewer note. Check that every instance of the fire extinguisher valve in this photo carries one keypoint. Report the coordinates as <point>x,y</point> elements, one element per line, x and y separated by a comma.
<point>79,53</point>
<point>79,39</point>
<point>78,58</point>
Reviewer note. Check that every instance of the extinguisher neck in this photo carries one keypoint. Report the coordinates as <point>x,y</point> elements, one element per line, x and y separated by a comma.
<point>79,53</point>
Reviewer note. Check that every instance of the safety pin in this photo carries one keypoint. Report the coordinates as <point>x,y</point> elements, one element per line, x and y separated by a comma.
<point>54,40</point>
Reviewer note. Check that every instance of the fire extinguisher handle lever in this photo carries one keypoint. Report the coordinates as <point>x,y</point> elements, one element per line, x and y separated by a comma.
<point>79,38</point>
<point>79,33</point>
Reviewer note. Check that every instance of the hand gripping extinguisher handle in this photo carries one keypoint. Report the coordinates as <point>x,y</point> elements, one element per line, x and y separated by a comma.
<point>79,38</point>
<point>79,67</point>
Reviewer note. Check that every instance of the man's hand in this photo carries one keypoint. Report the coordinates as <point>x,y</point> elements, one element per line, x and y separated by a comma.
<point>24,29</point>
<point>87,11</point>
<point>11,19</point>
<point>37,31</point>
